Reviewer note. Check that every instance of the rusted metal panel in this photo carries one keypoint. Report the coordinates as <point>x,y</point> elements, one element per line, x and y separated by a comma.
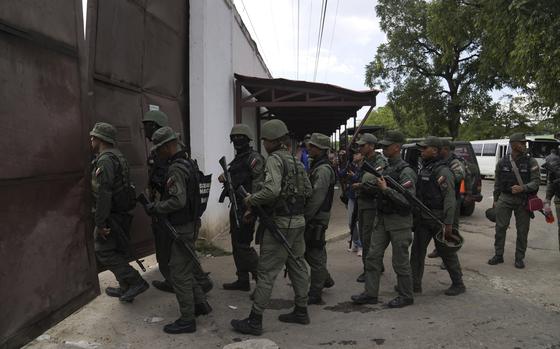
<point>47,266</point>
<point>119,47</point>
<point>139,61</point>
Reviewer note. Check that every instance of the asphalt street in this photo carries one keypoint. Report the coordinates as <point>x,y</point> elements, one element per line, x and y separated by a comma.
<point>504,307</point>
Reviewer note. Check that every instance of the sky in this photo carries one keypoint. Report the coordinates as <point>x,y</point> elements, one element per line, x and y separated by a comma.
<point>351,35</point>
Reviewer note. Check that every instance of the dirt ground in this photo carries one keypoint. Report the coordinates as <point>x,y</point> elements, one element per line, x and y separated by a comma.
<point>503,308</point>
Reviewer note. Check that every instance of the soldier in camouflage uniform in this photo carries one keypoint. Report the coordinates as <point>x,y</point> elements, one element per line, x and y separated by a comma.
<point>367,193</point>
<point>283,194</point>
<point>511,196</point>
<point>317,215</point>
<point>553,187</point>
<point>246,169</point>
<point>436,189</point>
<point>458,170</point>
<point>180,207</point>
<point>157,171</point>
<point>394,224</point>
<point>112,200</point>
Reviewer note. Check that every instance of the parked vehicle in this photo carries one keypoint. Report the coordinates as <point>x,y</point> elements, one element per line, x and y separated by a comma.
<point>489,152</point>
<point>470,192</point>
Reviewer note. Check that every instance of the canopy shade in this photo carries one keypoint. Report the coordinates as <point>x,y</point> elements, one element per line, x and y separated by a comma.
<point>305,107</point>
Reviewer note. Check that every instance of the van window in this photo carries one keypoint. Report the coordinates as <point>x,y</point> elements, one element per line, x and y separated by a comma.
<point>477,149</point>
<point>489,149</point>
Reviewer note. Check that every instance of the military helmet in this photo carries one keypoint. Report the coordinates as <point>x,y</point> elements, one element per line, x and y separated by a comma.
<point>163,135</point>
<point>156,116</point>
<point>449,246</point>
<point>104,131</point>
<point>320,141</point>
<point>367,138</point>
<point>273,129</point>
<point>491,214</point>
<point>430,141</point>
<point>241,129</point>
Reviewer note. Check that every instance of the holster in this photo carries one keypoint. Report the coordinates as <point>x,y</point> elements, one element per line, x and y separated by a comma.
<point>315,236</point>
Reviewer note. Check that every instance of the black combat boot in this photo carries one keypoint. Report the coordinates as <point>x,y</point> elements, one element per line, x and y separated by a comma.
<point>496,260</point>
<point>251,325</point>
<point>400,302</point>
<point>363,298</point>
<point>115,291</point>
<point>180,326</point>
<point>456,289</point>
<point>298,316</point>
<point>329,282</point>
<point>314,299</point>
<point>238,285</point>
<point>164,286</point>
<point>417,289</point>
<point>519,264</point>
<point>202,309</point>
<point>134,291</point>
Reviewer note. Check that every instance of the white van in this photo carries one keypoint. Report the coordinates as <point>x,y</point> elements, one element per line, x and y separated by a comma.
<point>489,152</point>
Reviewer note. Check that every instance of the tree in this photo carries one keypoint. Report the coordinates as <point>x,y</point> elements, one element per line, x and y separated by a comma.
<point>432,51</point>
<point>521,44</point>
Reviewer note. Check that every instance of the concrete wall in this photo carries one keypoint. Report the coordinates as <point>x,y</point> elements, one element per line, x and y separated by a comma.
<point>219,46</point>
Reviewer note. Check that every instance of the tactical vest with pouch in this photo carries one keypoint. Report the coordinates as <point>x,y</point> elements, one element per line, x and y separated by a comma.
<point>291,201</point>
<point>507,175</point>
<point>123,197</point>
<point>428,188</point>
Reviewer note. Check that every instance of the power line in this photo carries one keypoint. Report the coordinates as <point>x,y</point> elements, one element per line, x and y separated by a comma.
<point>254,31</point>
<point>320,36</point>
<point>308,35</point>
<point>297,63</point>
<point>332,38</point>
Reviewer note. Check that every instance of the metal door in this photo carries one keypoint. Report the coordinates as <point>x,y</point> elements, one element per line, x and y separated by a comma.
<point>139,60</point>
<point>47,266</point>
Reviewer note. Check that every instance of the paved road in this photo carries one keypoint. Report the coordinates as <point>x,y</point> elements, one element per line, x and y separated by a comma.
<point>503,308</point>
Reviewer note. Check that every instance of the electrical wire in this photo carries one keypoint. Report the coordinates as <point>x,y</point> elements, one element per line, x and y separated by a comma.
<point>332,39</point>
<point>320,37</point>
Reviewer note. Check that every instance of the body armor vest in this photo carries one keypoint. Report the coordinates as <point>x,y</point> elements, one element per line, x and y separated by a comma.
<point>507,176</point>
<point>427,187</point>
<point>123,197</point>
<point>190,212</point>
<point>327,203</point>
<point>386,205</point>
<point>241,170</point>
<point>291,201</point>
<point>157,173</point>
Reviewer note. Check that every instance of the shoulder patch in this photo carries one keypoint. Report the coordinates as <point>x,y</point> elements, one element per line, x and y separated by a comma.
<point>407,184</point>
<point>170,182</point>
<point>534,168</point>
<point>98,171</point>
<point>254,163</point>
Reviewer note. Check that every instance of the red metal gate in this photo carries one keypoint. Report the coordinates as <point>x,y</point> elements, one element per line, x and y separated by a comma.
<point>47,267</point>
<point>138,60</point>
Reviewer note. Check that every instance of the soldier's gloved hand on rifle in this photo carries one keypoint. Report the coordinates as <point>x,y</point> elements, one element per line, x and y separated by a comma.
<point>382,183</point>
<point>102,232</point>
<point>150,209</point>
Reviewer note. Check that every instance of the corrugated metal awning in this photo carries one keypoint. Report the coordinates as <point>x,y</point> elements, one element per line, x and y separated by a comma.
<point>306,107</point>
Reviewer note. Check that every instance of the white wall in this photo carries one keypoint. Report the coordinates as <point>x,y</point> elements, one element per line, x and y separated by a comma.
<point>219,47</point>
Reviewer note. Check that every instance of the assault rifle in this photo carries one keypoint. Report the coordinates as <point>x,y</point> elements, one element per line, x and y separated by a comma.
<point>142,199</point>
<point>402,190</point>
<point>230,191</point>
<point>269,224</point>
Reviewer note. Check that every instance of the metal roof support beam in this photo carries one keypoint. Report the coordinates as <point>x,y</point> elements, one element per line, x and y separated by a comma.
<point>332,104</point>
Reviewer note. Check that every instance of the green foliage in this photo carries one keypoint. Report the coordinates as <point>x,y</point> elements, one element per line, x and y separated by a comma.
<point>431,61</point>
<point>521,43</point>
